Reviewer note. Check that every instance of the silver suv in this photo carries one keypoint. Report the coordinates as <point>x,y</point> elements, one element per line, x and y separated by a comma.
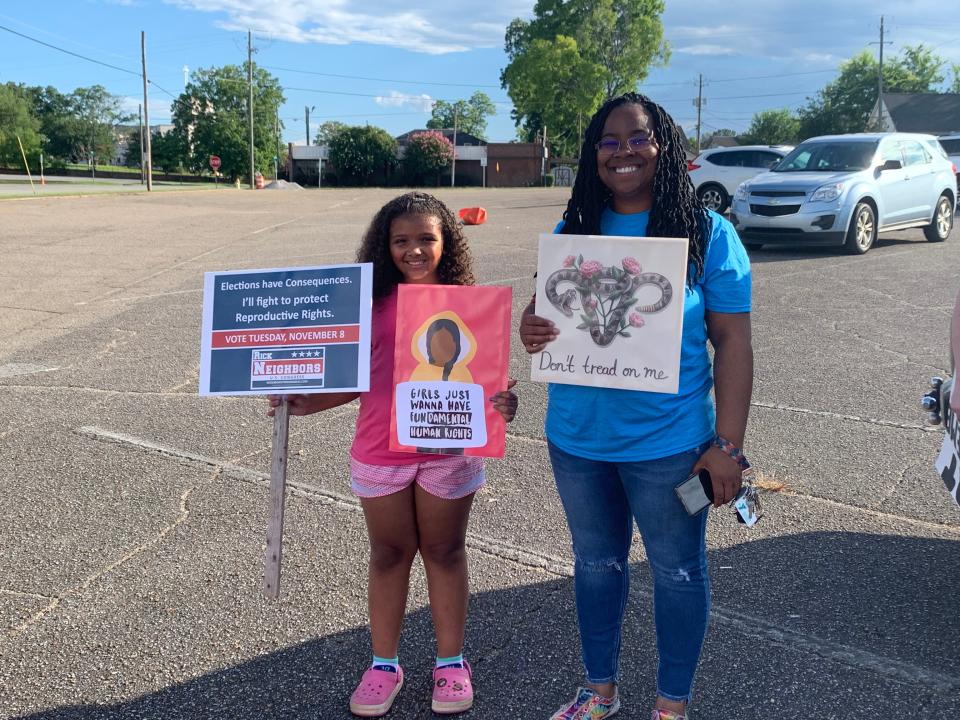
<point>844,189</point>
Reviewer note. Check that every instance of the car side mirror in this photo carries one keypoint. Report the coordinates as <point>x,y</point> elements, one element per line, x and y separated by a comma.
<point>891,165</point>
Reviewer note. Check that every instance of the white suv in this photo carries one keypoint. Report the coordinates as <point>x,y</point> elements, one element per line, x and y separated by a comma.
<point>717,173</point>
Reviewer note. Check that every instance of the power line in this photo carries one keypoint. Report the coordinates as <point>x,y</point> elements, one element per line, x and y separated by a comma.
<point>373,79</point>
<point>69,52</point>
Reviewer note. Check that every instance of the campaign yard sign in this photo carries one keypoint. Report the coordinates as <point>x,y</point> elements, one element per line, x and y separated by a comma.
<point>618,303</point>
<point>304,330</point>
<point>452,354</point>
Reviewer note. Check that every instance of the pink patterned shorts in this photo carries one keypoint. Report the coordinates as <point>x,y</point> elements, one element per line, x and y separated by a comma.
<point>449,477</point>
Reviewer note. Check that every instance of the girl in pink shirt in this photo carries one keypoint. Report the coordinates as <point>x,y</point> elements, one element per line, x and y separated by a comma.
<point>411,501</point>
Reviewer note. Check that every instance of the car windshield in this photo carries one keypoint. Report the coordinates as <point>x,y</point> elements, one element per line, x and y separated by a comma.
<point>829,157</point>
<point>952,146</point>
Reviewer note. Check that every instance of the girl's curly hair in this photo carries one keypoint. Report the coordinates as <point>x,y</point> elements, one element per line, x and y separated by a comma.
<point>676,210</point>
<point>456,264</point>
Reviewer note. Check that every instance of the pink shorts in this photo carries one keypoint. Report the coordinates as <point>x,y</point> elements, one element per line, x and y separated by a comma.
<point>449,477</point>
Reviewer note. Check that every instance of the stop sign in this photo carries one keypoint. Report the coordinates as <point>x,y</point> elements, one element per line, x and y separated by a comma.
<point>215,162</point>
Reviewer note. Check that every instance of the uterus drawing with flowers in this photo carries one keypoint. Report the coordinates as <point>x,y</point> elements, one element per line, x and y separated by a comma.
<point>618,303</point>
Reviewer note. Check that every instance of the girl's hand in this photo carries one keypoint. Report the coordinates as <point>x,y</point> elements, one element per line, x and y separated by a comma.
<point>535,331</point>
<point>298,404</point>
<point>725,474</point>
<point>505,402</point>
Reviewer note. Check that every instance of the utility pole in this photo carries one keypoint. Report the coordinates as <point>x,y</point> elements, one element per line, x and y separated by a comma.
<point>306,115</point>
<point>543,158</point>
<point>147,159</point>
<point>276,134</point>
<point>140,121</point>
<point>879,118</point>
<point>453,168</point>
<point>699,103</point>
<point>250,99</point>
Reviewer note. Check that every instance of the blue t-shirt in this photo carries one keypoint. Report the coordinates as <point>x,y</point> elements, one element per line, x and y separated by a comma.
<point>630,425</point>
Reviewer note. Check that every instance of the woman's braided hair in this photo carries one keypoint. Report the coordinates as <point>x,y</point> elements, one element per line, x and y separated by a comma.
<point>676,211</point>
<point>456,264</point>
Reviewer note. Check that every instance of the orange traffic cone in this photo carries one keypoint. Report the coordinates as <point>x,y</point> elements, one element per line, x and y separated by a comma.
<point>473,215</point>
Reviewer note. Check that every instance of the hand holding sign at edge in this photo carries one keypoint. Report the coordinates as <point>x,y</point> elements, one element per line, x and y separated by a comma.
<point>505,402</point>
<point>535,331</point>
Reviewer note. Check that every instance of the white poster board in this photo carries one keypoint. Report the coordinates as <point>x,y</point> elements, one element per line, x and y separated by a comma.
<point>618,304</point>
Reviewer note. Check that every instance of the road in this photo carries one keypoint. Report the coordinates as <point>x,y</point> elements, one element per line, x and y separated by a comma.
<point>134,511</point>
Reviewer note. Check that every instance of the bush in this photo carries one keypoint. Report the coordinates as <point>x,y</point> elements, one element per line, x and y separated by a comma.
<point>363,155</point>
<point>548,180</point>
<point>428,153</point>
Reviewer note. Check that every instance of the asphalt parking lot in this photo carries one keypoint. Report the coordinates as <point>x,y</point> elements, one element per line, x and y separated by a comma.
<point>134,511</point>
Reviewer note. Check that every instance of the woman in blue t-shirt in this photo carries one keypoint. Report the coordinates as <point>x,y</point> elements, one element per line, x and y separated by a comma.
<point>618,454</point>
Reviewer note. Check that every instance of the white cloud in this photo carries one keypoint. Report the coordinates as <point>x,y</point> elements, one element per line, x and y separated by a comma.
<point>707,49</point>
<point>433,26</point>
<point>423,103</point>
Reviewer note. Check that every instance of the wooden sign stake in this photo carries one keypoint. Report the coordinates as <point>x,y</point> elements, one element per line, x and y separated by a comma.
<point>278,481</point>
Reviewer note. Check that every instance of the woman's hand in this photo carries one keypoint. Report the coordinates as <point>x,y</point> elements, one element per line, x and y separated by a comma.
<point>505,402</point>
<point>535,331</point>
<point>725,474</point>
<point>298,404</point>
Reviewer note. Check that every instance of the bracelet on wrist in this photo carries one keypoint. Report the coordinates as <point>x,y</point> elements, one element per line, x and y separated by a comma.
<point>732,450</point>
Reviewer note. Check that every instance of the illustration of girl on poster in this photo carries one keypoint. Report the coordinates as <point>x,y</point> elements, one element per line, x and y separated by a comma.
<point>447,364</point>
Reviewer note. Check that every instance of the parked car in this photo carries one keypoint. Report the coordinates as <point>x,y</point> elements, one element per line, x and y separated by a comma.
<point>717,173</point>
<point>844,189</point>
<point>951,144</point>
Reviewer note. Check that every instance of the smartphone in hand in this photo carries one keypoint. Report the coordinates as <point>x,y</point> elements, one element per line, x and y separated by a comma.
<point>696,492</point>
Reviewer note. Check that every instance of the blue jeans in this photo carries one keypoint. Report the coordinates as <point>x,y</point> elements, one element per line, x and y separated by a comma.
<point>602,500</point>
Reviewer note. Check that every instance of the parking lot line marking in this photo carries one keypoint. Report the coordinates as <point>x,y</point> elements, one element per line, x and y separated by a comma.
<point>278,225</point>
<point>15,369</point>
<point>839,416</point>
<point>743,623</point>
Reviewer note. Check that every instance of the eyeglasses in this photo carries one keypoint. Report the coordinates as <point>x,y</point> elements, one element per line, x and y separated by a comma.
<point>637,143</point>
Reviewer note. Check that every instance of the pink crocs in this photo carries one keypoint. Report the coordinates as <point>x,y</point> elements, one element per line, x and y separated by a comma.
<point>376,692</point>
<point>452,689</point>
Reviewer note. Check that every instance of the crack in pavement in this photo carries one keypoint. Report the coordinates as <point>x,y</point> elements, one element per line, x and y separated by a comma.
<point>743,623</point>
<point>55,602</point>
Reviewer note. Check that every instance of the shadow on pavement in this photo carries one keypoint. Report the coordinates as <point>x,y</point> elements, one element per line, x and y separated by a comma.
<point>883,596</point>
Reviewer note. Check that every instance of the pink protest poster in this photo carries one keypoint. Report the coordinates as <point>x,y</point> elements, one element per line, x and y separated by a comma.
<point>452,354</point>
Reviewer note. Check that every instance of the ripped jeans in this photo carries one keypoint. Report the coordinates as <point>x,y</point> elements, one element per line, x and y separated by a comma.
<point>602,500</point>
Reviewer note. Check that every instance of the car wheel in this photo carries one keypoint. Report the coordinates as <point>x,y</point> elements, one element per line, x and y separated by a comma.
<point>714,197</point>
<point>862,231</point>
<point>942,224</point>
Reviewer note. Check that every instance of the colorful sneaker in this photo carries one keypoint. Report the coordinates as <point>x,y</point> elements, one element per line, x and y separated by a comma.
<point>588,705</point>
<point>376,692</point>
<point>452,689</point>
<point>666,715</point>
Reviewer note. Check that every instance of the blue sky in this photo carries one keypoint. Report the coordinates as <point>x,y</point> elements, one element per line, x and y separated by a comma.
<point>401,55</point>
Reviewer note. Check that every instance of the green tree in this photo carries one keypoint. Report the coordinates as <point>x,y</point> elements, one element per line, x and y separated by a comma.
<point>210,118</point>
<point>470,115</point>
<point>427,155</point>
<point>552,86</point>
<point>845,104</point>
<point>96,113</point>
<point>606,47</point>
<point>167,151</point>
<point>772,127</point>
<point>363,155</point>
<point>17,120</point>
<point>328,131</point>
<point>955,83</point>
